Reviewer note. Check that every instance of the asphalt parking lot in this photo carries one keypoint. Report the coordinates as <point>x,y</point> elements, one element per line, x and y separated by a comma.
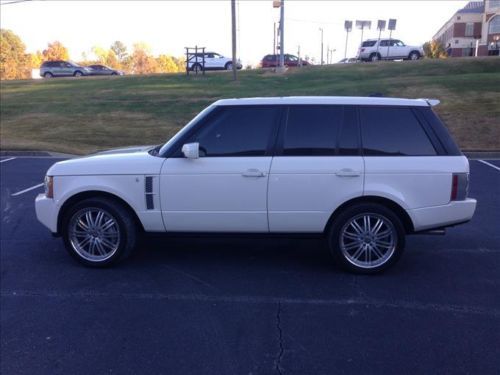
<point>247,305</point>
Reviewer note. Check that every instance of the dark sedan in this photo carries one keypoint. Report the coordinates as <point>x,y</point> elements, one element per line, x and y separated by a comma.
<point>272,61</point>
<point>103,70</point>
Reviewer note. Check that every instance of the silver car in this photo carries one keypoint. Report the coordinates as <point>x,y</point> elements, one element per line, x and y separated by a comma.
<point>51,69</point>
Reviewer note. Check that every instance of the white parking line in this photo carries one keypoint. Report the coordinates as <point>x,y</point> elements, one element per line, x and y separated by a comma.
<point>489,164</point>
<point>4,160</point>
<point>28,189</point>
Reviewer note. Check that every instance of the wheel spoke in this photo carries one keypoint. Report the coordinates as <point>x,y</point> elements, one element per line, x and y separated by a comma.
<point>107,225</point>
<point>383,234</point>
<point>383,243</point>
<point>98,219</point>
<point>100,248</point>
<point>358,252</point>
<point>351,236</point>
<point>377,226</point>
<point>377,252</point>
<point>356,227</point>
<point>108,244</point>
<point>90,221</point>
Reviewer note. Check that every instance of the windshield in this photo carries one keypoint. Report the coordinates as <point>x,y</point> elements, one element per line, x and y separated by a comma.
<point>185,129</point>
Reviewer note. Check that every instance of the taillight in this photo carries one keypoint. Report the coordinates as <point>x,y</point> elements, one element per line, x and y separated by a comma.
<point>459,186</point>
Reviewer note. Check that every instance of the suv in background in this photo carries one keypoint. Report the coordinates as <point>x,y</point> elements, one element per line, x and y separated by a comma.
<point>51,69</point>
<point>103,70</point>
<point>388,49</point>
<point>213,61</point>
<point>273,61</point>
<point>362,172</point>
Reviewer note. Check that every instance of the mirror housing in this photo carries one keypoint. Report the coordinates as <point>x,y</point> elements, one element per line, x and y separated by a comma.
<point>191,150</point>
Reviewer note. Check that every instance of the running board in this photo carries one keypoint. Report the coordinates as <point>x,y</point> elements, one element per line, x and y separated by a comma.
<point>433,232</point>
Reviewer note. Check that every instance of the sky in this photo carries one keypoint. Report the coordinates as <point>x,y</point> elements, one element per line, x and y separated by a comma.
<point>169,26</point>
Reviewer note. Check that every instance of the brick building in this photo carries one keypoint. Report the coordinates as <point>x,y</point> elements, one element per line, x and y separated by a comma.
<point>477,21</point>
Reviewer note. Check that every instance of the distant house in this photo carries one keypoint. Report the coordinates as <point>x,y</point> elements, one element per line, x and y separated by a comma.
<point>477,21</point>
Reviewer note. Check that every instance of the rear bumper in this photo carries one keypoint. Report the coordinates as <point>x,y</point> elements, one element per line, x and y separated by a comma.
<point>46,212</point>
<point>454,213</point>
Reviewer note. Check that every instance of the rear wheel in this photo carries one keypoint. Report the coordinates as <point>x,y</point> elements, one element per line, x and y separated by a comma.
<point>48,75</point>
<point>229,66</point>
<point>414,55</point>
<point>374,57</point>
<point>367,238</point>
<point>197,68</point>
<point>99,232</point>
<point>78,74</point>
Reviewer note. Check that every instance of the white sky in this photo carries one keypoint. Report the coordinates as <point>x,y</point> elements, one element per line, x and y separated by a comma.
<point>169,26</point>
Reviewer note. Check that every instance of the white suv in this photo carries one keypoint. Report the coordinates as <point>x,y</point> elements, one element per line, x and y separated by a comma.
<point>363,172</point>
<point>212,61</point>
<point>388,49</point>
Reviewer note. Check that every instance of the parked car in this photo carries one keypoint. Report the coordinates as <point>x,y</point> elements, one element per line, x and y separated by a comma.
<point>363,172</point>
<point>51,69</point>
<point>273,61</point>
<point>388,49</point>
<point>213,61</point>
<point>103,70</point>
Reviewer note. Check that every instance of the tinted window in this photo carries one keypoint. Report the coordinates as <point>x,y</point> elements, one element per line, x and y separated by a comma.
<point>312,130</point>
<point>370,43</point>
<point>393,131</point>
<point>384,43</point>
<point>349,134</point>
<point>238,131</point>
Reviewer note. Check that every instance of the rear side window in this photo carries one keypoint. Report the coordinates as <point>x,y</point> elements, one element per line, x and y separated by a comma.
<point>369,43</point>
<point>238,131</point>
<point>387,131</point>
<point>312,130</point>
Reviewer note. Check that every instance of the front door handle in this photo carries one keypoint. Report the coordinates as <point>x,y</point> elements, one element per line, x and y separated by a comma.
<point>253,173</point>
<point>348,173</point>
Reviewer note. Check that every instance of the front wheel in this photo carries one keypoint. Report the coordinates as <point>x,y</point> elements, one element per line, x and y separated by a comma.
<point>48,75</point>
<point>414,55</point>
<point>78,74</point>
<point>229,66</point>
<point>374,57</point>
<point>367,238</point>
<point>99,232</point>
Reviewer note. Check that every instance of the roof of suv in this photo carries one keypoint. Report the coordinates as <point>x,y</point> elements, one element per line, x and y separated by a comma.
<point>345,100</point>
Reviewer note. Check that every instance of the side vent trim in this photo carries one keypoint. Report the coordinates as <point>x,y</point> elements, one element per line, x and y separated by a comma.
<point>148,188</point>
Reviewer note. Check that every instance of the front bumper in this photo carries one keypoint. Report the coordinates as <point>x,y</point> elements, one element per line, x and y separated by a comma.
<point>442,216</point>
<point>46,212</point>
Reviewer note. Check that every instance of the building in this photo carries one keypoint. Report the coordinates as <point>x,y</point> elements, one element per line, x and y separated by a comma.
<point>477,25</point>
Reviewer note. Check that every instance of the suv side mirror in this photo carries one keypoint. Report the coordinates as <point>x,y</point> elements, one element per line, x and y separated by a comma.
<point>191,150</point>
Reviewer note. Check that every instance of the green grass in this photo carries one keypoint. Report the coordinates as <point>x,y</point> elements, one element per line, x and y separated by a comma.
<point>89,114</point>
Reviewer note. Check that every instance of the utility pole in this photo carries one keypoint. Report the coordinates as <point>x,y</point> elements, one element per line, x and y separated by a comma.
<point>274,39</point>
<point>282,34</point>
<point>348,28</point>
<point>233,26</point>
<point>321,29</point>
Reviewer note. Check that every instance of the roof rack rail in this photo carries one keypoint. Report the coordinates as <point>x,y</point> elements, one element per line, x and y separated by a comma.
<point>432,102</point>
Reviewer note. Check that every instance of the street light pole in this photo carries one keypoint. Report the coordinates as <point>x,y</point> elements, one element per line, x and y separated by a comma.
<point>321,29</point>
<point>282,34</point>
<point>233,24</point>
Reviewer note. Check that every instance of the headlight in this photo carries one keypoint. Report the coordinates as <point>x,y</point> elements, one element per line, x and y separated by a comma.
<point>49,186</point>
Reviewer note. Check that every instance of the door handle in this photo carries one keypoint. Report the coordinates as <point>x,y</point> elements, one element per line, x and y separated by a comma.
<point>253,173</point>
<point>348,173</point>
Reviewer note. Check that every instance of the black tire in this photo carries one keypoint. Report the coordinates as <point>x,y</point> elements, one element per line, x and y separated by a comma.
<point>48,75</point>
<point>114,74</point>
<point>374,57</point>
<point>197,68</point>
<point>414,55</point>
<point>390,220</point>
<point>77,74</point>
<point>228,66</point>
<point>128,231</point>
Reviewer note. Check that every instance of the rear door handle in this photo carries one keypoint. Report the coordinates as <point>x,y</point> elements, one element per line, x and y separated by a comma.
<point>348,173</point>
<point>253,173</point>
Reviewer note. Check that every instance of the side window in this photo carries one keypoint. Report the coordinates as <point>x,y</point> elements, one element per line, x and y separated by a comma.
<point>238,131</point>
<point>349,134</point>
<point>312,130</point>
<point>384,43</point>
<point>387,131</point>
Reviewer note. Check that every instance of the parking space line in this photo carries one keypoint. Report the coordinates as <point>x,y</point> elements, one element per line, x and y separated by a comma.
<point>4,160</point>
<point>28,189</point>
<point>489,164</point>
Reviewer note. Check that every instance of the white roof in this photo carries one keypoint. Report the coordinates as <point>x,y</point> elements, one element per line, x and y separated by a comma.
<point>339,100</point>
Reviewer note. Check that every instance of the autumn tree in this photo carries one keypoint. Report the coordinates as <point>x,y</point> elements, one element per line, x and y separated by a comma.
<point>142,61</point>
<point>434,50</point>
<point>167,64</point>
<point>55,51</point>
<point>36,59</point>
<point>120,50</point>
<point>14,62</point>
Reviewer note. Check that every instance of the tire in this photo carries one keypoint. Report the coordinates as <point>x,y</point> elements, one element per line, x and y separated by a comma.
<point>114,74</point>
<point>92,246</point>
<point>362,251</point>
<point>77,74</point>
<point>228,66</point>
<point>48,75</point>
<point>414,55</point>
<point>197,68</point>
<point>374,57</point>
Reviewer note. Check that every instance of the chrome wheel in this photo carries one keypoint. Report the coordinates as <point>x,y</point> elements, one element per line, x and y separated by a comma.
<point>368,240</point>
<point>94,234</point>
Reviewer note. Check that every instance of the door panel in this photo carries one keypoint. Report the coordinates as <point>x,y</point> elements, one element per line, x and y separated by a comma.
<point>216,194</point>
<point>304,191</point>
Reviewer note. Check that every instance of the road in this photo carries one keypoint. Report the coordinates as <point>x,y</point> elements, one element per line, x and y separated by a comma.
<point>247,305</point>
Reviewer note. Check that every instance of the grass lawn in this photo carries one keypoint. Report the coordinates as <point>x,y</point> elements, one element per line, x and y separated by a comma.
<point>88,114</point>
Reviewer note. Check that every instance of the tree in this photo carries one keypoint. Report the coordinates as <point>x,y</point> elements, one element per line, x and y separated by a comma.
<point>112,61</point>
<point>142,61</point>
<point>166,64</point>
<point>120,50</point>
<point>55,51</point>
<point>36,60</point>
<point>14,62</point>
<point>100,53</point>
<point>434,50</point>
